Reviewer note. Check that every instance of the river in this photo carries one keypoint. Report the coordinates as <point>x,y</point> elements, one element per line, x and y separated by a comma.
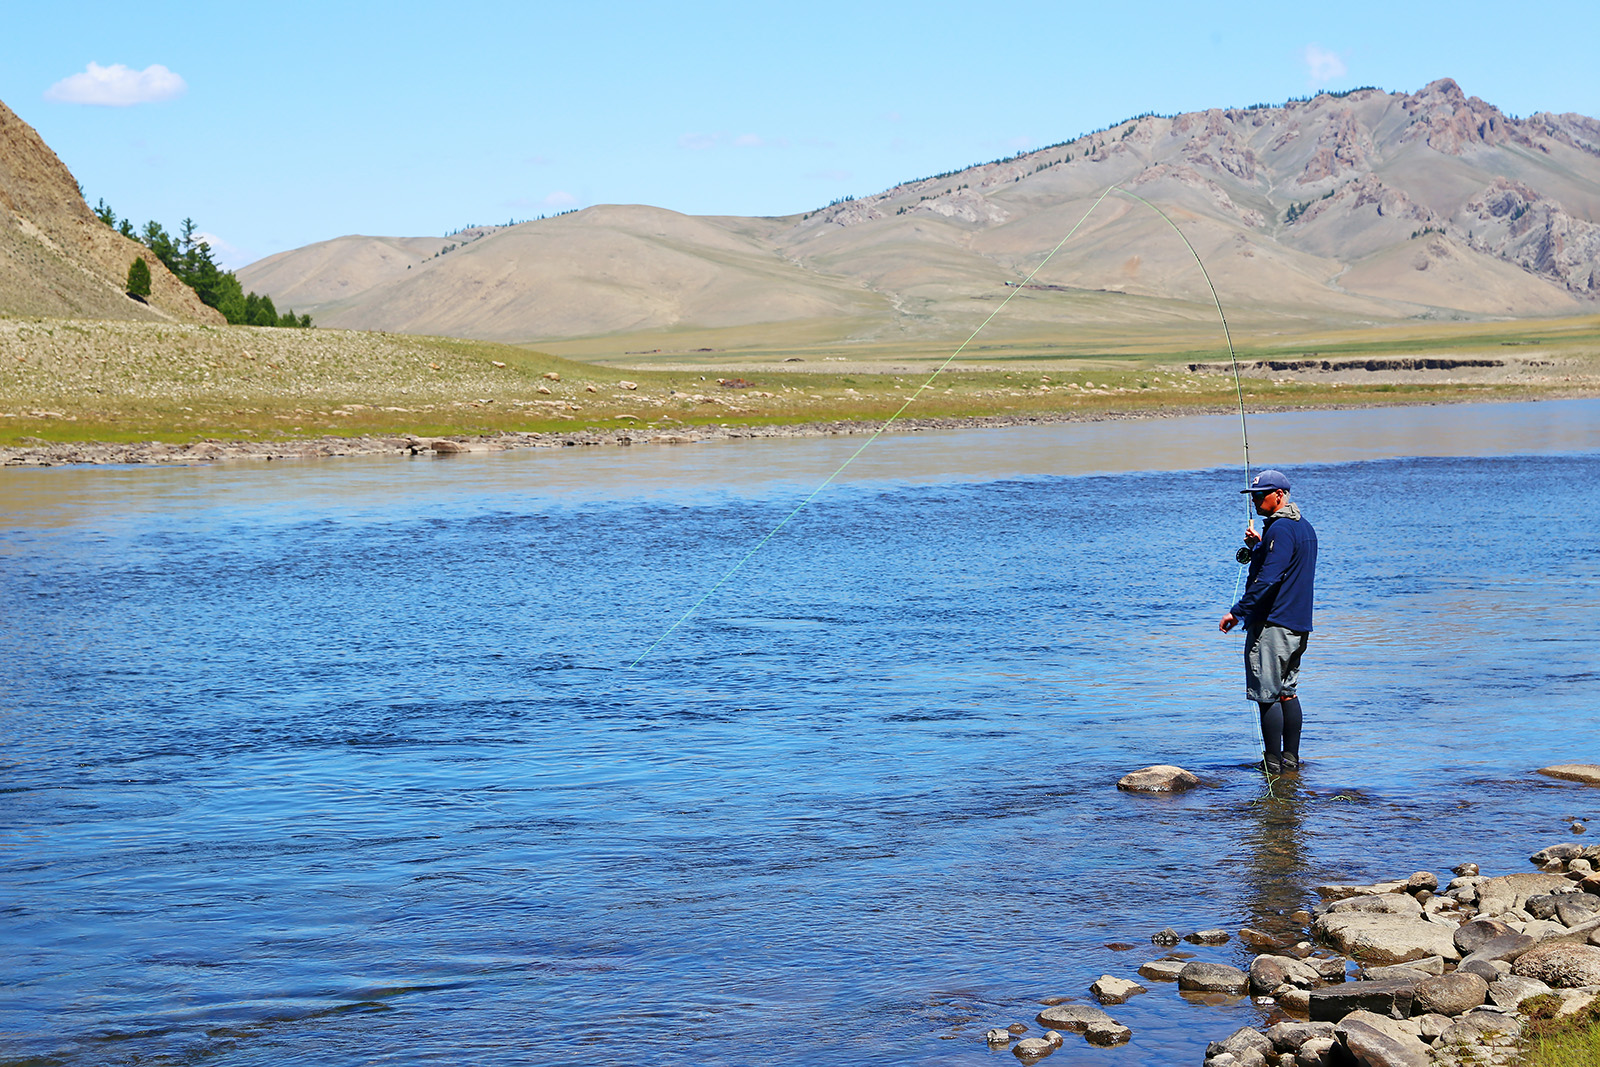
<point>351,761</point>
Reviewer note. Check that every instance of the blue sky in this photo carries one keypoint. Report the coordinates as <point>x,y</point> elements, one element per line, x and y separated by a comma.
<point>274,126</point>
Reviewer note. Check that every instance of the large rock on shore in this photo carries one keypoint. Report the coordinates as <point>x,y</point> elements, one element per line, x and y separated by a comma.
<point>1505,948</point>
<point>1508,991</point>
<point>1267,973</point>
<point>1449,994</point>
<point>1470,936</point>
<point>1511,892</point>
<point>1391,996</point>
<point>1377,1041</point>
<point>1381,938</point>
<point>1374,904</point>
<point>1162,778</point>
<point>1560,964</point>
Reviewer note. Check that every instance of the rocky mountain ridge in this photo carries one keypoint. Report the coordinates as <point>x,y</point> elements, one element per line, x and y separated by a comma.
<point>1362,206</point>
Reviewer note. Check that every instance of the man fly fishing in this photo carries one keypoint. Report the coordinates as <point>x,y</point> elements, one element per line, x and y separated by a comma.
<point>1275,611</point>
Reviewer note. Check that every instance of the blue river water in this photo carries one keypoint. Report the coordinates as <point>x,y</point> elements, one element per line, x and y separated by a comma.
<point>350,762</point>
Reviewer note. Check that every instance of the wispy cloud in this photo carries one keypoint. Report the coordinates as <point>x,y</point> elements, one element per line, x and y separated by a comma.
<point>1323,66</point>
<point>560,199</point>
<point>699,142</point>
<point>228,256</point>
<point>118,86</point>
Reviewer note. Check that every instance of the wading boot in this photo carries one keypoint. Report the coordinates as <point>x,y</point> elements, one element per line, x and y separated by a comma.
<point>1291,763</point>
<point>1271,764</point>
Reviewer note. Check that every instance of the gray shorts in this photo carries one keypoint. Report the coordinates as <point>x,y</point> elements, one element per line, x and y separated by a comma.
<point>1272,663</point>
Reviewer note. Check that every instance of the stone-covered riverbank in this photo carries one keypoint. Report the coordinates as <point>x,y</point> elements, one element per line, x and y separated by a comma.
<point>213,450</point>
<point>1403,973</point>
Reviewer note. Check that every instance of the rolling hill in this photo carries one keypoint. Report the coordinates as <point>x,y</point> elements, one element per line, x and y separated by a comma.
<point>1343,209</point>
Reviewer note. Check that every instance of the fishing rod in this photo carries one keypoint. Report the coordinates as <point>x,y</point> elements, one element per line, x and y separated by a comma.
<point>1242,556</point>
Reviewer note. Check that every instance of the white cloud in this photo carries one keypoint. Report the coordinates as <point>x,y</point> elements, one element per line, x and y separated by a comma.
<point>1322,65</point>
<point>560,199</point>
<point>118,86</point>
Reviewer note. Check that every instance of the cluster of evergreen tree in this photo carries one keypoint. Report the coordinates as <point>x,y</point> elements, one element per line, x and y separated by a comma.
<point>190,260</point>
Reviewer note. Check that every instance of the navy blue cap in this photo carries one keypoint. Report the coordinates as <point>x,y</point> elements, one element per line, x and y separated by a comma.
<point>1266,482</point>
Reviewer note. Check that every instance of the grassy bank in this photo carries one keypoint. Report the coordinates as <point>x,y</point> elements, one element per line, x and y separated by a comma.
<point>75,381</point>
<point>1571,1041</point>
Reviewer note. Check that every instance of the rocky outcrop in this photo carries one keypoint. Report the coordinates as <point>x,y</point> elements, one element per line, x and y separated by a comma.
<point>1451,122</point>
<point>1343,147</point>
<point>1513,221</point>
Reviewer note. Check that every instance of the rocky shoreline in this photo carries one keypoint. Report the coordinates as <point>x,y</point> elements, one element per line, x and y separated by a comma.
<point>1402,973</point>
<point>213,450</point>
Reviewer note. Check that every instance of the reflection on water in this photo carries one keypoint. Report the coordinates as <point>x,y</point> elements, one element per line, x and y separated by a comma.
<point>344,762</point>
<point>1273,883</point>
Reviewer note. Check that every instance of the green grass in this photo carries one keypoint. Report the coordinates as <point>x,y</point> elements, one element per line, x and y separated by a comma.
<point>118,382</point>
<point>1573,1041</point>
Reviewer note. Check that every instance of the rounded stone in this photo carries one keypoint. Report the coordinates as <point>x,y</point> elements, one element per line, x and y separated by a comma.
<point>1422,880</point>
<point>1108,1034</point>
<point>1200,976</point>
<point>1033,1049</point>
<point>1469,937</point>
<point>1449,994</point>
<point>1075,1018</point>
<point>1558,964</point>
<point>1161,778</point>
<point>1295,1001</point>
<point>1207,937</point>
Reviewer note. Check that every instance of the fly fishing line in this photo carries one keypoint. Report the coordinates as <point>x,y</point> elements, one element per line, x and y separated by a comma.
<point>1017,288</point>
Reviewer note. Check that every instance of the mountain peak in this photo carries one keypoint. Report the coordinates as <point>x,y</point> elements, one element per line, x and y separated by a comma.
<point>1357,207</point>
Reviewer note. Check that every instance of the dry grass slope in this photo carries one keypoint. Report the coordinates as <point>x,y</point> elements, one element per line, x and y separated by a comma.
<point>56,258</point>
<point>1370,207</point>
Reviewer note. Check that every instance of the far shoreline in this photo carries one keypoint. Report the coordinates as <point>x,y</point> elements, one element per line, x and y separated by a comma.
<point>215,450</point>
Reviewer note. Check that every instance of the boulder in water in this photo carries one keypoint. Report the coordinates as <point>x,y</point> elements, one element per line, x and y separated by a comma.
<point>1162,778</point>
<point>1587,773</point>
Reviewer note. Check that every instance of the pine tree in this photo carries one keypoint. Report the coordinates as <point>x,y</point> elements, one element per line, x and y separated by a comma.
<point>139,278</point>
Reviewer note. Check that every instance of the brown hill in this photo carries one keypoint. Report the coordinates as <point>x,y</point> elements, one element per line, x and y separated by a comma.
<point>56,258</point>
<point>1348,208</point>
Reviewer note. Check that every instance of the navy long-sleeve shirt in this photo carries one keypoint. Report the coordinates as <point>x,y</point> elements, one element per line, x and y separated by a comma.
<point>1283,570</point>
